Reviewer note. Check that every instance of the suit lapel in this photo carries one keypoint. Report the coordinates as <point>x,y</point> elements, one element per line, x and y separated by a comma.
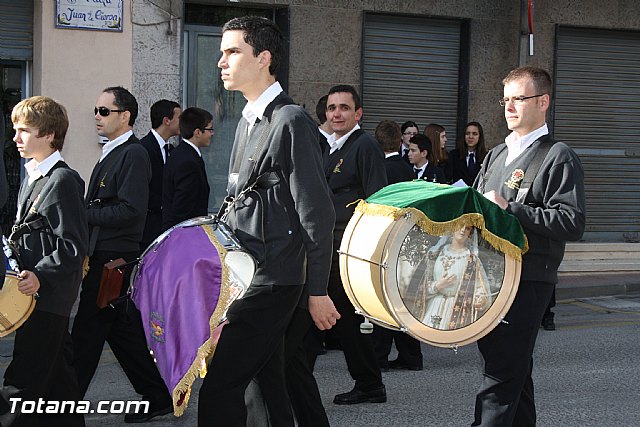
<point>255,146</point>
<point>30,197</point>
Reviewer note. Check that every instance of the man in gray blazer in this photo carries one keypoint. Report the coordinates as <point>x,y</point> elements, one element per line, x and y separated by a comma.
<point>281,212</point>
<point>117,197</point>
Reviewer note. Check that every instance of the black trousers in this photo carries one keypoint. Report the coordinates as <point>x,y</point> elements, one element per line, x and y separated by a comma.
<point>301,384</point>
<point>121,327</point>
<point>506,396</point>
<point>252,342</point>
<point>41,368</point>
<point>409,351</point>
<point>358,348</point>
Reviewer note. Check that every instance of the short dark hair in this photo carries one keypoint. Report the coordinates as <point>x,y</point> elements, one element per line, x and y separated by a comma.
<point>193,118</point>
<point>160,110</point>
<point>321,109</point>
<point>388,135</point>
<point>124,100</point>
<point>541,78</point>
<point>409,124</point>
<point>349,89</point>
<point>423,143</point>
<point>261,34</point>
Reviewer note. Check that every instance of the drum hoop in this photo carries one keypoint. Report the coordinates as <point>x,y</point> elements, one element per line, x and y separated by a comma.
<point>447,338</point>
<point>7,329</point>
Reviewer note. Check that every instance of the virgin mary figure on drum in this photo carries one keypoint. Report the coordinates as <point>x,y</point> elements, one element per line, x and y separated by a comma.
<point>454,291</point>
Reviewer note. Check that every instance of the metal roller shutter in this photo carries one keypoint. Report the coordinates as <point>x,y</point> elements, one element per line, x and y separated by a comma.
<point>410,71</point>
<point>597,110</point>
<point>16,29</point>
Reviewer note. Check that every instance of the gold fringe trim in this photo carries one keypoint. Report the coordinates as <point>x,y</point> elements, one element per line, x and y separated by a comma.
<point>85,266</point>
<point>205,351</point>
<point>441,228</point>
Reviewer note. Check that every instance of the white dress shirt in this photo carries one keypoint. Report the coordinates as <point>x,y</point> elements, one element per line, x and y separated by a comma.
<point>162,143</point>
<point>337,144</point>
<point>111,145</point>
<point>516,146</point>
<point>255,110</point>
<point>35,170</point>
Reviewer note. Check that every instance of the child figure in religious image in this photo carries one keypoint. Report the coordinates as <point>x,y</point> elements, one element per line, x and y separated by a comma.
<point>456,291</point>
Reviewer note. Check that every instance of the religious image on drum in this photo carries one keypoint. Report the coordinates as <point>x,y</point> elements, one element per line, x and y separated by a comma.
<point>448,282</point>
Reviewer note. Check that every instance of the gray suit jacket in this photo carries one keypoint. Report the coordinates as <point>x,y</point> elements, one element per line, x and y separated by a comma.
<point>286,221</point>
<point>56,251</point>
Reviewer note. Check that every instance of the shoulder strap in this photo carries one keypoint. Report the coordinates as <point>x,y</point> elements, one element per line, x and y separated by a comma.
<point>533,168</point>
<point>491,158</point>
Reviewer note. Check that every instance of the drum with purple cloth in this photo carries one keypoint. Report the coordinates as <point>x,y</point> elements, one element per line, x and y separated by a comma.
<point>183,285</point>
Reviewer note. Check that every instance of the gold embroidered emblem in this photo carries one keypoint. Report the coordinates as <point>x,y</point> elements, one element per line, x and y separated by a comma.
<point>34,209</point>
<point>516,178</point>
<point>337,168</point>
<point>101,185</point>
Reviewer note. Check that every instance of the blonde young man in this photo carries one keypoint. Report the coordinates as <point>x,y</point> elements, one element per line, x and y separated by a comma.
<point>51,234</point>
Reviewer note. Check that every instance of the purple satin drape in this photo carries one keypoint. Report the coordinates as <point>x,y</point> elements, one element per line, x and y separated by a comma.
<point>176,289</point>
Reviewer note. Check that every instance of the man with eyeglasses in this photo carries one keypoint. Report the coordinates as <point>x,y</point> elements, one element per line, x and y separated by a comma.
<point>409,129</point>
<point>185,187</point>
<point>549,202</point>
<point>116,199</point>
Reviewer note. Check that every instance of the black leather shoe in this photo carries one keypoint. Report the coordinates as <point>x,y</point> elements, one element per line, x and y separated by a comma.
<point>143,417</point>
<point>398,364</point>
<point>378,395</point>
<point>548,324</point>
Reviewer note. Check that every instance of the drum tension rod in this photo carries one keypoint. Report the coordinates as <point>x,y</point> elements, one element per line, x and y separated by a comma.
<point>383,265</point>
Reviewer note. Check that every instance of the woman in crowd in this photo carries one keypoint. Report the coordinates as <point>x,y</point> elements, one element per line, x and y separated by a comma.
<point>438,137</point>
<point>408,130</point>
<point>465,160</point>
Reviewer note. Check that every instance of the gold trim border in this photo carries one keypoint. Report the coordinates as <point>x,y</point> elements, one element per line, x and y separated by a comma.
<point>440,228</point>
<point>205,351</point>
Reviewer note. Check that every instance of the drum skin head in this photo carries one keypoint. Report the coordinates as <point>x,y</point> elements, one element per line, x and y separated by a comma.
<point>443,292</point>
<point>15,307</point>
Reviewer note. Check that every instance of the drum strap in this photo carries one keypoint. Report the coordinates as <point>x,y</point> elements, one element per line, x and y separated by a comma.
<point>530,173</point>
<point>265,180</point>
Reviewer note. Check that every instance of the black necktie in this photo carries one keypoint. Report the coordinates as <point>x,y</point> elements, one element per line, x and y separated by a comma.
<point>167,152</point>
<point>417,172</point>
<point>472,161</point>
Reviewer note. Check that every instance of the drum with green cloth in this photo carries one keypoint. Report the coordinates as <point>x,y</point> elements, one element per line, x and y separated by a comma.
<point>440,263</point>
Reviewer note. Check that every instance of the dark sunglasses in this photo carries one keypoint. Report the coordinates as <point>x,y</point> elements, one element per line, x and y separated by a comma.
<point>104,111</point>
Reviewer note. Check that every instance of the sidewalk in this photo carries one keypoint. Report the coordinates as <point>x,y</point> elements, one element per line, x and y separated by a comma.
<point>587,285</point>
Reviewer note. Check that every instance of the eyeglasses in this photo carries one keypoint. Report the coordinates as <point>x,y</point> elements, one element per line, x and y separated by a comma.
<point>517,100</point>
<point>410,133</point>
<point>104,111</point>
<point>209,129</point>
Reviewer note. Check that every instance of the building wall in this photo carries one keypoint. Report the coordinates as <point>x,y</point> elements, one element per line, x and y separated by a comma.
<point>326,40</point>
<point>157,38</point>
<point>73,66</point>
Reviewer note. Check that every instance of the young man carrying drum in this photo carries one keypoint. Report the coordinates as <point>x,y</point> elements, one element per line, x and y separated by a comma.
<point>51,235</point>
<point>282,214</point>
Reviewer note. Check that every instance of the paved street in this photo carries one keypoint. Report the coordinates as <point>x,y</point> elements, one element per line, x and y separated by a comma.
<point>586,374</point>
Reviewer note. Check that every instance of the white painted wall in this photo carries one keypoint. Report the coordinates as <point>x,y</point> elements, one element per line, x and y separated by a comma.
<point>73,66</point>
